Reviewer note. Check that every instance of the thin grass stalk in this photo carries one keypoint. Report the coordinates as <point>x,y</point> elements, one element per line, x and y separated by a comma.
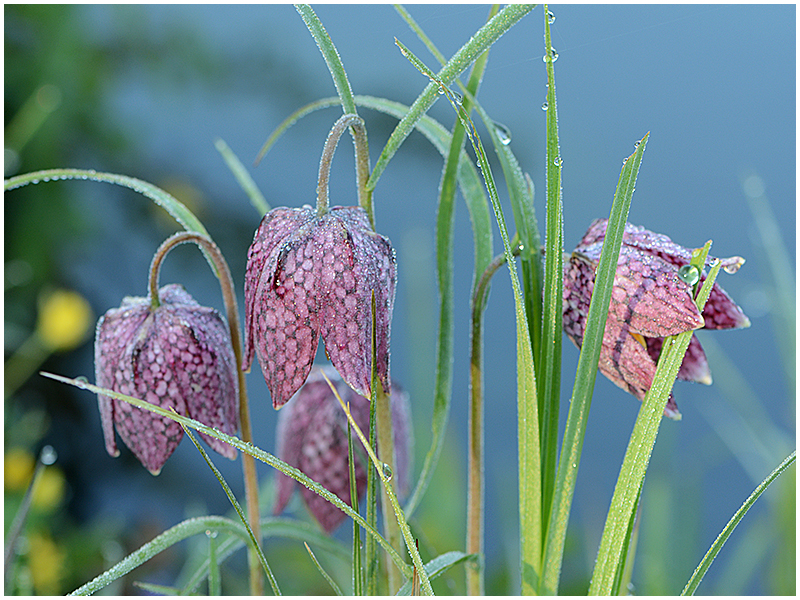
<point>586,374</point>
<point>611,554</point>
<point>549,362</point>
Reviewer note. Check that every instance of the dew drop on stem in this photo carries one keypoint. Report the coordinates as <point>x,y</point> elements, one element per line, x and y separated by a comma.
<point>551,18</point>
<point>387,472</point>
<point>503,133</point>
<point>689,274</point>
<point>545,105</point>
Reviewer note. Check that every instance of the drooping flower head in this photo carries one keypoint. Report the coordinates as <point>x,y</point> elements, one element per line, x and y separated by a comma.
<point>311,275</point>
<point>177,355</point>
<point>312,436</point>
<point>651,299</point>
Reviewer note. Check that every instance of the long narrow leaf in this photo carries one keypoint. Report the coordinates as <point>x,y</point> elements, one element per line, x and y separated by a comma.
<point>700,571</point>
<point>549,360</point>
<point>250,449</point>
<point>171,536</point>
<point>587,372</point>
<point>331,56</point>
<point>611,554</point>
<point>243,178</point>
<point>483,39</point>
<point>173,206</point>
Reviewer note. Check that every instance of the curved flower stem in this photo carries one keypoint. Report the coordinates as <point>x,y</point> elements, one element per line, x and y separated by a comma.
<point>232,313</point>
<point>475,455</point>
<point>359,132</point>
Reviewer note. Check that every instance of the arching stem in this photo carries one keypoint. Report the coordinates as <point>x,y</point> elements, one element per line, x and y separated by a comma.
<point>359,132</point>
<point>232,313</point>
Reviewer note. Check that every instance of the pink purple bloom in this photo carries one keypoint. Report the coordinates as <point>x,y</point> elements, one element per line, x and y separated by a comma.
<point>177,355</point>
<point>649,301</point>
<point>312,436</point>
<point>311,275</point>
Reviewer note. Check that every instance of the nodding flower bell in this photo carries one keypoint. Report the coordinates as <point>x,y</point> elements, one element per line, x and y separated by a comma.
<point>651,299</point>
<point>312,436</point>
<point>177,354</point>
<point>313,272</point>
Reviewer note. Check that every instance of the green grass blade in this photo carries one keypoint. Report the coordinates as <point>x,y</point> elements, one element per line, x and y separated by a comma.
<point>243,177</point>
<point>247,448</point>
<point>438,566</point>
<point>700,571</point>
<point>172,205</point>
<point>549,360</point>
<point>637,457</point>
<point>167,539</point>
<point>528,421</point>
<point>336,589</point>
<point>587,373</point>
<point>331,56</point>
<point>235,503</point>
<point>214,583</point>
<point>482,40</point>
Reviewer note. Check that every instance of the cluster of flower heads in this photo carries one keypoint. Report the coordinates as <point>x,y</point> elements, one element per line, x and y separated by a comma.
<point>312,436</point>
<point>651,299</point>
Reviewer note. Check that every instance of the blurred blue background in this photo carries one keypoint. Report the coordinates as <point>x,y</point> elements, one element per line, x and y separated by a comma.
<point>145,90</point>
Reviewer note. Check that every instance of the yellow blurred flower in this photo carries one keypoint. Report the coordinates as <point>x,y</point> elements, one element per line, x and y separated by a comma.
<point>65,318</point>
<point>49,490</point>
<point>46,563</point>
<point>18,466</point>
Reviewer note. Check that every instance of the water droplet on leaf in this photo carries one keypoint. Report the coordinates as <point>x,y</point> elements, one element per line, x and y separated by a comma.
<point>503,133</point>
<point>545,105</point>
<point>689,274</point>
<point>387,472</point>
<point>551,18</point>
<point>48,455</point>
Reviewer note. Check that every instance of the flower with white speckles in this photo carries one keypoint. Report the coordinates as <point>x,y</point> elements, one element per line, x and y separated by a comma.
<point>176,355</point>
<point>311,274</point>
<point>312,436</point>
<point>649,301</point>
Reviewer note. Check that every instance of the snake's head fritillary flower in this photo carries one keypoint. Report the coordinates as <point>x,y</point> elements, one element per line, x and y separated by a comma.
<point>177,355</point>
<point>310,275</point>
<point>651,299</point>
<point>312,436</point>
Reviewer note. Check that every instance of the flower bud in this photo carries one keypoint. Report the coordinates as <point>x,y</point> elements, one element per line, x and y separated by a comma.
<point>177,355</point>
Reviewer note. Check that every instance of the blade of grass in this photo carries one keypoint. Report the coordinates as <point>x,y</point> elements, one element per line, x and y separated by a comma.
<point>243,177</point>
<point>331,56</point>
<point>528,421</point>
<point>235,503</point>
<point>586,374</point>
<point>387,487</point>
<point>165,540</point>
<point>358,574</point>
<point>480,41</point>
<point>247,448</point>
<point>214,583</point>
<point>637,457</point>
<point>549,363</point>
<point>437,566</point>
<point>702,568</point>
<point>336,589</point>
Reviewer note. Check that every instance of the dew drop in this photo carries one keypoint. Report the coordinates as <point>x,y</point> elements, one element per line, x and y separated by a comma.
<point>211,534</point>
<point>441,90</point>
<point>503,132</point>
<point>48,455</point>
<point>553,54</point>
<point>545,105</point>
<point>636,145</point>
<point>82,379</point>
<point>551,18</point>
<point>457,97</point>
<point>557,161</point>
<point>387,472</point>
<point>689,274</point>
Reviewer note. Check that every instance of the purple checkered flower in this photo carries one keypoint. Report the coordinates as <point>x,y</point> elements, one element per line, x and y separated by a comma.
<point>312,436</point>
<point>311,274</point>
<point>649,301</point>
<point>177,355</point>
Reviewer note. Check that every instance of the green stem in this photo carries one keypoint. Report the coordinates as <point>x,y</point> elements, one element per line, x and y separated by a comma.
<point>475,436</point>
<point>386,453</point>
<point>327,156</point>
<point>229,299</point>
